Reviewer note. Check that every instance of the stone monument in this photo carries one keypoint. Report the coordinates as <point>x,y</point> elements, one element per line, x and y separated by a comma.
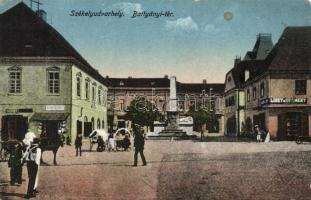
<point>172,129</point>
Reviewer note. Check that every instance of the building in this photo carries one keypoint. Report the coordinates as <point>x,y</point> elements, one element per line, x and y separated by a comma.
<point>208,94</point>
<point>276,90</point>
<point>46,85</point>
<point>234,93</point>
<point>157,90</point>
<point>123,90</point>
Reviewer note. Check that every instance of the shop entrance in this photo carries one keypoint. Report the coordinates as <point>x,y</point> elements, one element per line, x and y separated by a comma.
<point>13,127</point>
<point>293,124</point>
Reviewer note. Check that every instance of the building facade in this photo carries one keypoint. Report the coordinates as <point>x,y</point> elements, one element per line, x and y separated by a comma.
<point>277,88</point>
<point>157,90</point>
<point>46,85</point>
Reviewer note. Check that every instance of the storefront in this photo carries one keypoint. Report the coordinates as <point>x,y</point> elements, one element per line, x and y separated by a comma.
<point>288,117</point>
<point>50,124</point>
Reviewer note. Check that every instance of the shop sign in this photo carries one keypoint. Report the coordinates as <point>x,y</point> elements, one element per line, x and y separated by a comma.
<point>284,100</point>
<point>11,111</point>
<point>55,107</point>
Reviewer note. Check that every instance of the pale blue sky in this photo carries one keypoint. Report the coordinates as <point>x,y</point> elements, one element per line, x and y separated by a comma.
<point>196,43</point>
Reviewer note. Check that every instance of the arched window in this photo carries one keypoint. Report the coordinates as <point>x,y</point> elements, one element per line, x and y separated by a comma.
<point>92,121</point>
<point>98,123</point>
<point>87,88</point>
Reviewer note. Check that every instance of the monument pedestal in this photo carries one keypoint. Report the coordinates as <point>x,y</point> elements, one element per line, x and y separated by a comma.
<point>172,130</point>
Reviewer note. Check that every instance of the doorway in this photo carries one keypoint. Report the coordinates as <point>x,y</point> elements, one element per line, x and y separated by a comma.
<point>14,127</point>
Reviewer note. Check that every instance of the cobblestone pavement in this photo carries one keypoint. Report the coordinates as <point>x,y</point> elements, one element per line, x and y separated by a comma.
<point>175,170</point>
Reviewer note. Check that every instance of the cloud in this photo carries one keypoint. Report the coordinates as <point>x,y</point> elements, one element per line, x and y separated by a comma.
<point>186,24</point>
<point>210,28</point>
<point>127,8</point>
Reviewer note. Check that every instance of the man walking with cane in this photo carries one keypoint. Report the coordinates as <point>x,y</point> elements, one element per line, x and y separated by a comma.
<point>139,143</point>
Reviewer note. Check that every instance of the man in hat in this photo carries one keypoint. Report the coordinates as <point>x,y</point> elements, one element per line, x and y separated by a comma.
<point>32,157</point>
<point>15,164</point>
<point>139,143</point>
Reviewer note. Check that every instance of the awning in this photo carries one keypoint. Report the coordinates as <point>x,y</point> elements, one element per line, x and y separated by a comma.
<point>49,116</point>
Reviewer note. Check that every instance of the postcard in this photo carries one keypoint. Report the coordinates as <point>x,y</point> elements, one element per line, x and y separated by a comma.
<point>167,99</point>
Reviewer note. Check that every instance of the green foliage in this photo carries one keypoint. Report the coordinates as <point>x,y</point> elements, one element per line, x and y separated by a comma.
<point>142,112</point>
<point>200,116</point>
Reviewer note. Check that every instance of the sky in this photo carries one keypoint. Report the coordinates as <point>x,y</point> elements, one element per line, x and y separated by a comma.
<point>199,40</point>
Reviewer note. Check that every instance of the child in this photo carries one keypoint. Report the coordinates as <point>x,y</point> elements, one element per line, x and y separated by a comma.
<point>78,144</point>
<point>15,164</point>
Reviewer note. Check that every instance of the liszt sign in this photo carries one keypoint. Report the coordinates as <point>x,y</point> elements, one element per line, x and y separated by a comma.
<point>284,100</point>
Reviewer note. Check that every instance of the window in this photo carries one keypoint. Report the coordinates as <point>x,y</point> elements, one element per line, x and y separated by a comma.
<point>254,93</point>
<point>248,95</point>
<point>93,93</point>
<point>53,80</point>
<point>78,86</point>
<point>99,96</point>
<point>104,97</point>
<point>230,101</point>
<point>121,106</point>
<point>98,123</point>
<point>246,74</point>
<point>15,76</point>
<point>300,87</point>
<point>87,89</point>
<point>92,121</point>
<point>262,90</point>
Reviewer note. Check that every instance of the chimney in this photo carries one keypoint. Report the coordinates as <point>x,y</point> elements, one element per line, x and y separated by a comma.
<point>42,14</point>
<point>165,76</point>
<point>237,60</point>
<point>130,77</point>
<point>204,81</point>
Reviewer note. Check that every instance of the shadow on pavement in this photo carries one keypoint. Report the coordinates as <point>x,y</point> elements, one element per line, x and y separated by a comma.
<point>11,194</point>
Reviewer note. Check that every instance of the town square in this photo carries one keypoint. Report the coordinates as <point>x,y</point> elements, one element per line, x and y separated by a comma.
<point>189,99</point>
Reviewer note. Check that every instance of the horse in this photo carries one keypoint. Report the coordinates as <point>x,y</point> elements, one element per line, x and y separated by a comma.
<point>51,144</point>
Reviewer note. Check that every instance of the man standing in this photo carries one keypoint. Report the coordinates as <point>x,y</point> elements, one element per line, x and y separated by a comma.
<point>33,156</point>
<point>139,143</point>
<point>15,164</point>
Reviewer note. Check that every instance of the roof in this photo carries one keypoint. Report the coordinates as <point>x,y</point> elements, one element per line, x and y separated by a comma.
<point>24,34</point>
<point>261,48</point>
<point>139,82</point>
<point>217,88</point>
<point>292,51</point>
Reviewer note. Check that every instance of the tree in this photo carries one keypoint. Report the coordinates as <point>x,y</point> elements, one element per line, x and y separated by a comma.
<point>200,117</point>
<point>142,112</point>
